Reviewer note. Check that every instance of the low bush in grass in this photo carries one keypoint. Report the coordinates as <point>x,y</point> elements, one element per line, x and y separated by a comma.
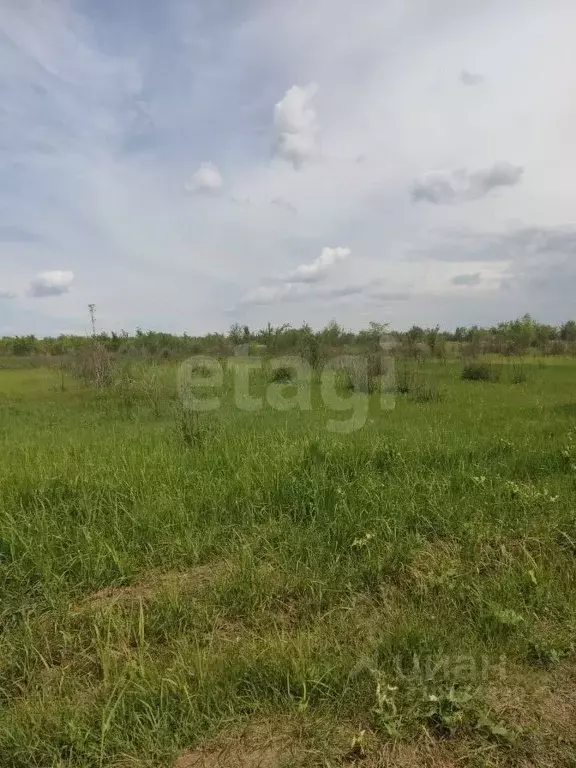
<point>281,375</point>
<point>476,371</point>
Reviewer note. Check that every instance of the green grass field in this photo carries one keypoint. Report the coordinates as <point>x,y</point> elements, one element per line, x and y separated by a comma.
<point>250,589</point>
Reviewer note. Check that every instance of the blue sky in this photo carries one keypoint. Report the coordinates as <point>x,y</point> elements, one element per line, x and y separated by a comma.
<point>185,165</point>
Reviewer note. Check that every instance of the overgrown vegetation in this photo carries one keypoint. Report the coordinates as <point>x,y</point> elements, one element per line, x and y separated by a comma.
<point>177,584</point>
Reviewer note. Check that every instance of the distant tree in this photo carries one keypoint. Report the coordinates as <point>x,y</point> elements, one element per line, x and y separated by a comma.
<point>431,336</point>
<point>24,345</point>
<point>332,333</point>
<point>568,331</point>
<point>236,333</point>
<point>415,334</point>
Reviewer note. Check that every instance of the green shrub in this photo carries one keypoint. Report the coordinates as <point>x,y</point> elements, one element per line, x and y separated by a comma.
<point>281,375</point>
<point>475,371</point>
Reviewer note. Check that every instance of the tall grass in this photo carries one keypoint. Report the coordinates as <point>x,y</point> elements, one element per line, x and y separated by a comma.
<point>166,577</point>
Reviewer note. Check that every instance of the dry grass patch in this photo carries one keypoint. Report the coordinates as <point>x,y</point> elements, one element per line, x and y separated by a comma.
<point>397,755</point>
<point>538,700</point>
<point>541,706</point>
<point>273,743</point>
<point>317,744</point>
<point>157,582</point>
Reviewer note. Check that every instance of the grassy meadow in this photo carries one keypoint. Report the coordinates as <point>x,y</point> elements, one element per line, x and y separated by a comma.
<point>248,588</point>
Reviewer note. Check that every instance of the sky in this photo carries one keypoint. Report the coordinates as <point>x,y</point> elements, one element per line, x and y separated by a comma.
<point>186,165</point>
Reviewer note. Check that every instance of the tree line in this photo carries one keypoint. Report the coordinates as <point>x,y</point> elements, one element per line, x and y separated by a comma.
<point>514,337</point>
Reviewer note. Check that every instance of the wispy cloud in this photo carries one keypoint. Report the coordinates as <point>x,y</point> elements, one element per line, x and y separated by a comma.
<point>271,294</point>
<point>286,205</point>
<point>467,279</point>
<point>342,292</point>
<point>460,186</point>
<point>293,292</point>
<point>382,295</point>
<point>521,244</point>
<point>7,295</point>
<point>368,291</point>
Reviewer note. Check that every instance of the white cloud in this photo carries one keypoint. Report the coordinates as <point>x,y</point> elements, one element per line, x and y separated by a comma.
<point>293,286</point>
<point>297,129</point>
<point>53,283</point>
<point>311,273</point>
<point>459,186</point>
<point>206,180</point>
<point>7,295</point>
<point>470,78</point>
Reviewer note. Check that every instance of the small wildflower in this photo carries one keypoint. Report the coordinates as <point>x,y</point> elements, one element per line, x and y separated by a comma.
<point>528,492</point>
<point>363,541</point>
